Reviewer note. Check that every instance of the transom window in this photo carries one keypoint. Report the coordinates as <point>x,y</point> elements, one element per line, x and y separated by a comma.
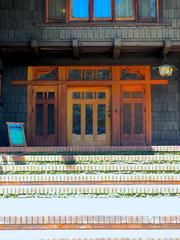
<point>102,10</point>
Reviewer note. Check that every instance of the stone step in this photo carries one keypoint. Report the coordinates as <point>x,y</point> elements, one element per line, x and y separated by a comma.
<point>80,179</point>
<point>5,158</point>
<point>47,168</point>
<point>88,222</point>
<point>93,191</point>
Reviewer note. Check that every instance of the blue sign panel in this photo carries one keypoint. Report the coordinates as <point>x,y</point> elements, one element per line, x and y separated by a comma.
<point>16,134</point>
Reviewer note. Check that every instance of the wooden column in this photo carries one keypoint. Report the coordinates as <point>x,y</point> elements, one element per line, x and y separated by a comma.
<point>30,120</point>
<point>115,115</point>
<point>148,107</point>
<point>62,109</point>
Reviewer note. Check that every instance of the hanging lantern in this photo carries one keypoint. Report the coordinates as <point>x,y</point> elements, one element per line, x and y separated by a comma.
<point>166,70</point>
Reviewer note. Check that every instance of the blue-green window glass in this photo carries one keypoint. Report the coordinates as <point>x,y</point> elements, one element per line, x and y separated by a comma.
<point>102,9</point>
<point>51,119</point>
<point>147,8</point>
<point>39,119</point>
<point>124,8</point>
<point>89,119</point>
<point>80,8</point>
<point>127,118</point>
<point>77,119</point>
<point>101,124</point>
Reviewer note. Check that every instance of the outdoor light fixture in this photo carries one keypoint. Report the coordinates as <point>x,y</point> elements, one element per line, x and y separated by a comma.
<point>165,70</point>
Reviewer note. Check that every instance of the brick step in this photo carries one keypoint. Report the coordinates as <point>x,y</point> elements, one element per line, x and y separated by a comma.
<point>64,179</point>
<point>90,149</point>
<point>52,168</point>
<point>88,222</point>
<point>94,191</point>
<point>25,159</point>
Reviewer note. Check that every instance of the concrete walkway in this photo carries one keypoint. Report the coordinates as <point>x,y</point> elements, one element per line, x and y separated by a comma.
<point>44,235</point>
<point>163,206</point>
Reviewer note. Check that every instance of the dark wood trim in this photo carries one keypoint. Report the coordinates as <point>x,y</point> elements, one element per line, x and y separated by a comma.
<point>67,11</point>
<point>91,6</point>
<point>87,83</point>
<point>62,116</point>
<point>161,7</point>
<point>115,108</point>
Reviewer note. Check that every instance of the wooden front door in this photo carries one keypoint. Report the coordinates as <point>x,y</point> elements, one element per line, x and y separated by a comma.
<point>88,116</point>
<point>45,116</point>
<point>133,116</point>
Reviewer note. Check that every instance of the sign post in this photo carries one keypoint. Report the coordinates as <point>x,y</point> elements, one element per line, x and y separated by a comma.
<point>16,134</point>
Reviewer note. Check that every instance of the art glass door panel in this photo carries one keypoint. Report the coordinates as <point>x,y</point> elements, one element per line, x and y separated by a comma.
<point>89,111</point>
<point>45,116</point>
<point>133,116</point>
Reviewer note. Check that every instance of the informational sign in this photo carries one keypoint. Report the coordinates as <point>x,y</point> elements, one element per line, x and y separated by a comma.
<point>16,134</point>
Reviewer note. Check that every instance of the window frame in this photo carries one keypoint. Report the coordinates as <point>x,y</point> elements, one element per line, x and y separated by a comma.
<point>136,18</point>
<point>102,18</point>
<point>71,18</point>
<point>50,19</point>
<point>125,18</point>
<point>149,19</point>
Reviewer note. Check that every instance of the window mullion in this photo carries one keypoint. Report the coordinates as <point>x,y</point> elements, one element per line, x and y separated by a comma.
<point>91,10</point>
<point>47,11</point>
<point>68,10</point>
<point>113,4</point>
<point>136,7</point>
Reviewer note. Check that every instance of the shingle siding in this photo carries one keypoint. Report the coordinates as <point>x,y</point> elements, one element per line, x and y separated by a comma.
<point>14,99</point>
<point>166,112</point>
<point>21,19</point>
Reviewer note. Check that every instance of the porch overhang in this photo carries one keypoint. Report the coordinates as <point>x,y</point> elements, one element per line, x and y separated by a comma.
<point>76,47</point>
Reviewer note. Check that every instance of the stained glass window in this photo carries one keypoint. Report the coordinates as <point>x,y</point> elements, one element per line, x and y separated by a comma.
<point>51,119</point>
<point>77,119</point>
<point>39,119</point>
<point>127,118</point>
<point>101,125</point>
<point>138,118</point>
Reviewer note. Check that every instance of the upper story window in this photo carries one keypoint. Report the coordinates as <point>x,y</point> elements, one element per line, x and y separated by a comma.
<point>102,10</point>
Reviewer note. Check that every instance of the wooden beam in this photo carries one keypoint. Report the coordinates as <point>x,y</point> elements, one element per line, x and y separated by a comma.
<point>19,83</point>
<point>75,46</point>
<point>88,83</point>
<point>35,47</point>
<point>117,48</point>
<point>166,48</point>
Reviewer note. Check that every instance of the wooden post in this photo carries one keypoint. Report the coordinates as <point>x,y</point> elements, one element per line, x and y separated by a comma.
<point>62,116</point>
<point>115,116</point>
